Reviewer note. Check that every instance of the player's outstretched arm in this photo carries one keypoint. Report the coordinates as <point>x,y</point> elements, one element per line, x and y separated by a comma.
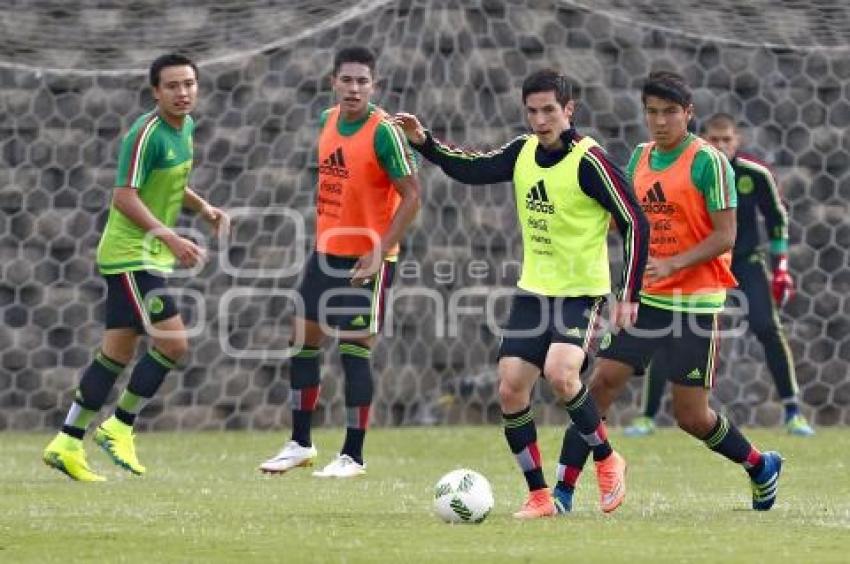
<point>411,127</point>
<point>464,165</point>
<point>127,201</point>
<point>216,217</point>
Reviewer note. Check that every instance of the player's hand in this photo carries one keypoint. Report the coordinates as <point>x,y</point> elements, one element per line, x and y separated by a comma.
<point>411,127</point>
<point>659,268</point>
<point>219,220</point>
<point>624,314</point>
<point>188,252</point>
<point>367,267</point>
<point>782,285</point>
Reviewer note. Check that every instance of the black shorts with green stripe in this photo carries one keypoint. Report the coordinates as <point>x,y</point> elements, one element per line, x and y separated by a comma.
<point>683,347</point>
<point>330,299</point>
<point>535,322</point>
<point>137,300</point>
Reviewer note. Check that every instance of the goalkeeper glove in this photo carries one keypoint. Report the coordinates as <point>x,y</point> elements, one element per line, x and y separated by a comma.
<point>782,285</point>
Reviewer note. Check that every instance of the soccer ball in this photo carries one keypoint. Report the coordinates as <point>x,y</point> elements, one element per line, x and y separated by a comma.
<point>463,496</point>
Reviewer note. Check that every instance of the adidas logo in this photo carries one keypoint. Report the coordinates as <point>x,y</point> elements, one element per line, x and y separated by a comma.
<point>573,332</point>
<point>170,155</point>
<point>654,201</point>
<point>537,199</point>
<point>334,165</point>
<point>655,194</point>
<point>358,321</point>
<point>694,374</point>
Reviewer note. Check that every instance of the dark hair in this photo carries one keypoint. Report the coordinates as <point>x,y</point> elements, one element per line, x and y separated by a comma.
<point>169,60</point>
<point>719,119</point>
<point>548,80</point>
<point>669,86</point>
<point>360,55</point>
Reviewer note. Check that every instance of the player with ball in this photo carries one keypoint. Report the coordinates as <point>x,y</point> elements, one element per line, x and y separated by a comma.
<point>567,191</point>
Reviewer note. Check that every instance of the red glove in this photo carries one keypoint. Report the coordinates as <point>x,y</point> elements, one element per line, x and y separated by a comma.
<point>782,285</point>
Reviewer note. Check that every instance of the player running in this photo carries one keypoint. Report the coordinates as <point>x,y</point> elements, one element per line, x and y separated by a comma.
<point>686,188</point>
<point>757,191</point>
<point>137,248</point>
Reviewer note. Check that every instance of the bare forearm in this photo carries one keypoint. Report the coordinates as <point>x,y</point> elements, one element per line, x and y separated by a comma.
<point>712,246</point>
<point>195,203</point>
<point>404,216</point>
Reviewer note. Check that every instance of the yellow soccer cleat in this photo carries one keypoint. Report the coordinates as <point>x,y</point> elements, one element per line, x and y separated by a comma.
<point>798,426</point>
<point>67,455</point>
<point>117,440</point>
<point>640,427</point>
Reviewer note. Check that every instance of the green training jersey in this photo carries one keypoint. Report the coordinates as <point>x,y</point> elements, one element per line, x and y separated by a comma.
<point>156,160</point>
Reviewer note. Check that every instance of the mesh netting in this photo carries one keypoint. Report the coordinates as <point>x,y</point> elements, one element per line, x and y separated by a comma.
<point>459,66</point>
<point>790,23</point>
<point>110,37</point>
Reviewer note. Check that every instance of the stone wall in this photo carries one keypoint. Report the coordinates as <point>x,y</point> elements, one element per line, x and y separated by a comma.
<point>459,66</point>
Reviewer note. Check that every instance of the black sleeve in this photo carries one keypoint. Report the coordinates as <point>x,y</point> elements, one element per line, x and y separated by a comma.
<point>603,181</point>
<point>472,167</point>
<point>770,204</point>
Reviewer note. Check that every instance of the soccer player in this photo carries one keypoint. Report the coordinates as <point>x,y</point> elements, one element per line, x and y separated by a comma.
<point>566,192</point>
<point>367,196</point>
<point>686,188</point>
<point>757,190</point>
<point>137,248</point>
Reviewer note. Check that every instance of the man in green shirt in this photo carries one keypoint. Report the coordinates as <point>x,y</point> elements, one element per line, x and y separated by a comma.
<point>687,190</point>
<point>760,296</point>
<point>367,195</point>
<point>137,248</point>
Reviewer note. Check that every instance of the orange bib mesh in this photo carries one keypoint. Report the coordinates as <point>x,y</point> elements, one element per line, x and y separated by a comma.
<point>679,219</point>
<point>355,196</point>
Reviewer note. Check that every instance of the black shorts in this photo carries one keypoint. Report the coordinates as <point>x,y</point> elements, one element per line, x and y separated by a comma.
<point>535,322</point>
<point>683,347</point>
<point>331,300</point>
<point>137,300</point>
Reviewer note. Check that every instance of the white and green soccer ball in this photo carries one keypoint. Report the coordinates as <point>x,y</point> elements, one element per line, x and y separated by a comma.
<point>463,496</point>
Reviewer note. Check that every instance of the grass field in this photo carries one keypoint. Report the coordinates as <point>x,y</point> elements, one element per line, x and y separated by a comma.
<point>204,501</point>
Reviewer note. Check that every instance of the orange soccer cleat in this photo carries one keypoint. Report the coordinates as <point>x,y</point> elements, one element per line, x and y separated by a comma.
<point>538,504</point>
<point>611,475</point>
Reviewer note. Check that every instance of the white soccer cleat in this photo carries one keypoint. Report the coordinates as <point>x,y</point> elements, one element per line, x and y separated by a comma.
<point>292,455</point>
<point>343,466</point>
